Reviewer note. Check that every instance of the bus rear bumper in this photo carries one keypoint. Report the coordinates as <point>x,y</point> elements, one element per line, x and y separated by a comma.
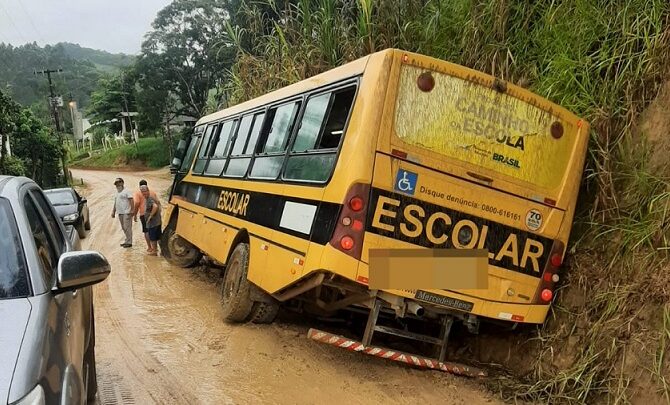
<point>463,306</point>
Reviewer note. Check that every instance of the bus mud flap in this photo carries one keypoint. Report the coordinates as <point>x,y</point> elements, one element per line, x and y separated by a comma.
<point>410,359</point>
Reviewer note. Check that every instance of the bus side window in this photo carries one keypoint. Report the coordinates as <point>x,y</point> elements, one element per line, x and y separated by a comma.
<point>244,144</point>
<point>314,150</point>
<point>219,149</point>
<point>274,139</point>
<point>201,161</point>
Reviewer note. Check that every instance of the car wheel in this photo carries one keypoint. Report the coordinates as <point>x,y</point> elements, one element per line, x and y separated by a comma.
<point>236,301</point>
<point>81,229</point>
<point>177,250</point>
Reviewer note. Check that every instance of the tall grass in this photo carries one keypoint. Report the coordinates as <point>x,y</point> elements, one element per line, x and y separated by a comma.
<point>605,61</point>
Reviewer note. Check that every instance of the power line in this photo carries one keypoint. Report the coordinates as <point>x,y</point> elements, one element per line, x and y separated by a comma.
<point>39,34</point>
<point>11,21</point>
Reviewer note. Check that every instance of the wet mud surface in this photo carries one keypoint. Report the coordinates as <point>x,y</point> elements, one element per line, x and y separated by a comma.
<point>160,338</point>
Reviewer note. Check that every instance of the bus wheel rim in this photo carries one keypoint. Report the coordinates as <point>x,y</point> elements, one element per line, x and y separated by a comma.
<point>177,246</point>
<point>231,283</point>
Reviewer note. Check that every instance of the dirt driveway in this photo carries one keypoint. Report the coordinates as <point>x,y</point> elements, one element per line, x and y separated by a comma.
<point>160,337</point>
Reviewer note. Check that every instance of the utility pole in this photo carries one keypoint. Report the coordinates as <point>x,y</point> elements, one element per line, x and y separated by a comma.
<point>54,110</point>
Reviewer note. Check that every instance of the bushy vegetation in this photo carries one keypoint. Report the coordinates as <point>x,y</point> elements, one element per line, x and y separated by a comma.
<point>35,149</point>
<point>605,61</point>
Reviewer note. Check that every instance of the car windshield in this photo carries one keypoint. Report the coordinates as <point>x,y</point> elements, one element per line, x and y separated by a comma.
<point>60,197</point>
<point>13,272</point>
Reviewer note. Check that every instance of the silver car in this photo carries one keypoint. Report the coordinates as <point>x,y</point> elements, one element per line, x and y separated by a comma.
<point>47,333</point>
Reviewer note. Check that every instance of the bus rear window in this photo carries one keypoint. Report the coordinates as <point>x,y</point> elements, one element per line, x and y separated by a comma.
<point>479,125</point>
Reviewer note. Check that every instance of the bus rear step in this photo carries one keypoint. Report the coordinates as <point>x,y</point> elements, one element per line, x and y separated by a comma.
<point>410,359</point>
<point>440,342</point>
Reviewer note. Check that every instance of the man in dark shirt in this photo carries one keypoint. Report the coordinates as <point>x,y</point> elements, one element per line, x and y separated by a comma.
<point>152,214</point>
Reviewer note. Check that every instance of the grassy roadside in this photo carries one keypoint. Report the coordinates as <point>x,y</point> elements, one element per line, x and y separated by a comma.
<point>608,337</point>
<point>152,153</point>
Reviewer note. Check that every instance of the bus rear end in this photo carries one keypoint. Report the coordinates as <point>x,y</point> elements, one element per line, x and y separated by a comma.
<point>465,161</point>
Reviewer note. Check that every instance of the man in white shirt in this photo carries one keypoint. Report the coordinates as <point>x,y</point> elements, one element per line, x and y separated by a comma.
<point>123,205</point>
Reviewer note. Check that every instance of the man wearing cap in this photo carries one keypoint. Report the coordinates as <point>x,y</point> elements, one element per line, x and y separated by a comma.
<point>140,206</point>
<point>123,205</point>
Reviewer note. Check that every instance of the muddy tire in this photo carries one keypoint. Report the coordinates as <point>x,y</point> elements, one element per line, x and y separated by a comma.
<point>236,302</point>
<point>264,312</point>
<point>177,250</point>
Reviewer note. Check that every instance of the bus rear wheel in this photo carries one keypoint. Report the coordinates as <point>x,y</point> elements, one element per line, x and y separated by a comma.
<point>177,250</point>
<point>264,312</point>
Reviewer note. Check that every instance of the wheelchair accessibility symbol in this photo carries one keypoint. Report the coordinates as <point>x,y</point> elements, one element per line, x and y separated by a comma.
<point>405,182</point>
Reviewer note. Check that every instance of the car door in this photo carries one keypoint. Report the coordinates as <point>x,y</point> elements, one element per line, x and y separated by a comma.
<point>64,354</point>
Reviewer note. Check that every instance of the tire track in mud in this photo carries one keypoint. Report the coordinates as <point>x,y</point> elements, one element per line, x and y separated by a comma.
<point>131,374</point>
<point>160,337</point>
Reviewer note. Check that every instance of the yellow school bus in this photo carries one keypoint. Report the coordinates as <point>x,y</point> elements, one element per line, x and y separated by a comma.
<point>292,190</point>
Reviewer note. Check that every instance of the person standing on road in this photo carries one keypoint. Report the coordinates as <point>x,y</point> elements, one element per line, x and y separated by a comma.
<point>152,212</point>
<point>140,205</point>
<point>123,205</point>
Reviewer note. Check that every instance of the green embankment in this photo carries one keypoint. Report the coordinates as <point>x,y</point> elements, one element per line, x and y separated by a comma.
<point>148,153</point>
<point>608,336</point>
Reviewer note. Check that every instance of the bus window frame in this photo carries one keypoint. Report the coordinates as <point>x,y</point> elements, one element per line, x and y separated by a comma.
<point>194,136</point>
<point>253,113</point>
<point>353,82</point>
<point>215,126</point>
<point>298,100</point>
<point>302,97</point>
<point>236,123</point>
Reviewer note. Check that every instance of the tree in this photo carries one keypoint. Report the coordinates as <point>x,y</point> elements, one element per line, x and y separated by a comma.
<point>8,111</point>
<point>38,148</point>
<point>114,94</point>
<point>187,51</point>
<point>35,150</point>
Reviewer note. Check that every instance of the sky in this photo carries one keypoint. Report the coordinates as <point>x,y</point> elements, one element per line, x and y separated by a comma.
<point>116,26</point>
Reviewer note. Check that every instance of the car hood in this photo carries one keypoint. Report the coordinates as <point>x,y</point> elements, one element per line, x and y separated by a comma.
<point>14,314</point>
<point>63,210</point>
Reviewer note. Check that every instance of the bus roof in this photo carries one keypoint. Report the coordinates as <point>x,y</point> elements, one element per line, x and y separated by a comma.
<point>345,71</point>
<point>358,66</point>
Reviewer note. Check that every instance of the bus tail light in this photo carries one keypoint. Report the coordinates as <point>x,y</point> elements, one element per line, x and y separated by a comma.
<point>348,234</point>
<point>545,291</point>
<point>356,203</point>
<point>347,243</point>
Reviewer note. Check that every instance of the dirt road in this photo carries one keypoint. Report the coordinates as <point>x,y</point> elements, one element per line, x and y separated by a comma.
<point>160,337</point>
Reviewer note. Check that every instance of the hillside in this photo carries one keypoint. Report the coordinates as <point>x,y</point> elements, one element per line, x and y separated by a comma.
<point>108,62</point>
<point>82,67</point>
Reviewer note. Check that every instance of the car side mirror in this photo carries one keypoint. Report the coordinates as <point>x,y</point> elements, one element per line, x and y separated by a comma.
<point>80,269</point>
<point>82,200</point>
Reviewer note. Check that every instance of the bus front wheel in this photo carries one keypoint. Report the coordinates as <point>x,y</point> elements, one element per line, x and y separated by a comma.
<point>240,300</point>
<point>177,250</point>
<point>236,302</point>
